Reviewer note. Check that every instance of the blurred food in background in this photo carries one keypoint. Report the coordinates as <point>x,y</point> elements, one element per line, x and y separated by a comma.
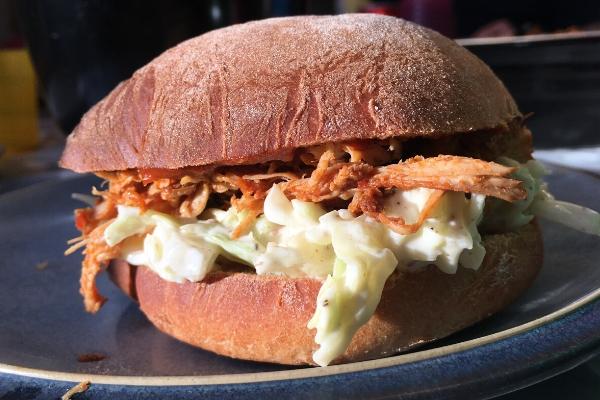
<point>476,18</point>
<point>435,14</point>
<point>525,17</point>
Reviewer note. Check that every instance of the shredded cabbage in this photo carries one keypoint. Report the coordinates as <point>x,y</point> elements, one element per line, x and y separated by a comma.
<point>504,216</point>
<point>176,257</point>
<point>129,222</point>
<point>364,253</point>
<point>299,244</point>
<point>572,215</point>
<point>350,295</point>
<point>244,249</point>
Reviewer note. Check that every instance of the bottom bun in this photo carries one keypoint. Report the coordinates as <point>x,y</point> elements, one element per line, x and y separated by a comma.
<point>264,317</point>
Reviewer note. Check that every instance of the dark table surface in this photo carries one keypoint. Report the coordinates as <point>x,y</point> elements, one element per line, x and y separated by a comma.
<point>582,383</point>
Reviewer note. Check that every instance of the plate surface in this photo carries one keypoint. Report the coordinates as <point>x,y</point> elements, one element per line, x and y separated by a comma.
<point>552,327</point>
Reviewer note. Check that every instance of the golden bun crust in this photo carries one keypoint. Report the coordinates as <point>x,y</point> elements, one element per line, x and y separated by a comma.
<point>263,318</point>
<point>254,92</point>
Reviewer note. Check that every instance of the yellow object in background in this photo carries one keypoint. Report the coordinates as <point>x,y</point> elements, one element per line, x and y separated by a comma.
<point>18,101</point>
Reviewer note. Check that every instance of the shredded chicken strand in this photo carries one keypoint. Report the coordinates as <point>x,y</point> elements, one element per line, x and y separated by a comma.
<point>495,186</point>
<point>365,183</point>
<point>252,207</point>
<point>400,226</point>
<point>289,176</point>
<point>81,387</point>
<point>194,204</point>
<point>251,202</point>
<point>97,255</point>
<point>461,174</point>
<point>74,247</point>
<point>368,200</point>
<point>373,153</point>
<point>75,239</point>
<point>443,165</point>
<point>328,181</point>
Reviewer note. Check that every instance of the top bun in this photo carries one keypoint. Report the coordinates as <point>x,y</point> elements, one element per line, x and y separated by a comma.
<point>254,92</point>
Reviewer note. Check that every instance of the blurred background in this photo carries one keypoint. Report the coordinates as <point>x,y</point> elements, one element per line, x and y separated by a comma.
<point>58,58</point>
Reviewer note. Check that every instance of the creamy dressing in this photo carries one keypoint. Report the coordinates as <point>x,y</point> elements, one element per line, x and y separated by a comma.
<point>353,255</point>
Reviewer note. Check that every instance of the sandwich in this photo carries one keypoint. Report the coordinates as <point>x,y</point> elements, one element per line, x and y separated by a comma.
<point>313,190</point>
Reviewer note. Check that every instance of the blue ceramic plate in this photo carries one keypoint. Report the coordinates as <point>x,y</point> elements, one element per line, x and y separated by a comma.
<point>553,327</point>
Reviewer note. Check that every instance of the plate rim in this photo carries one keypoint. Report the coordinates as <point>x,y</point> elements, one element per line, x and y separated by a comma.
<point>527,39</point>
<point>303,373</point>
<point>300,373</point>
